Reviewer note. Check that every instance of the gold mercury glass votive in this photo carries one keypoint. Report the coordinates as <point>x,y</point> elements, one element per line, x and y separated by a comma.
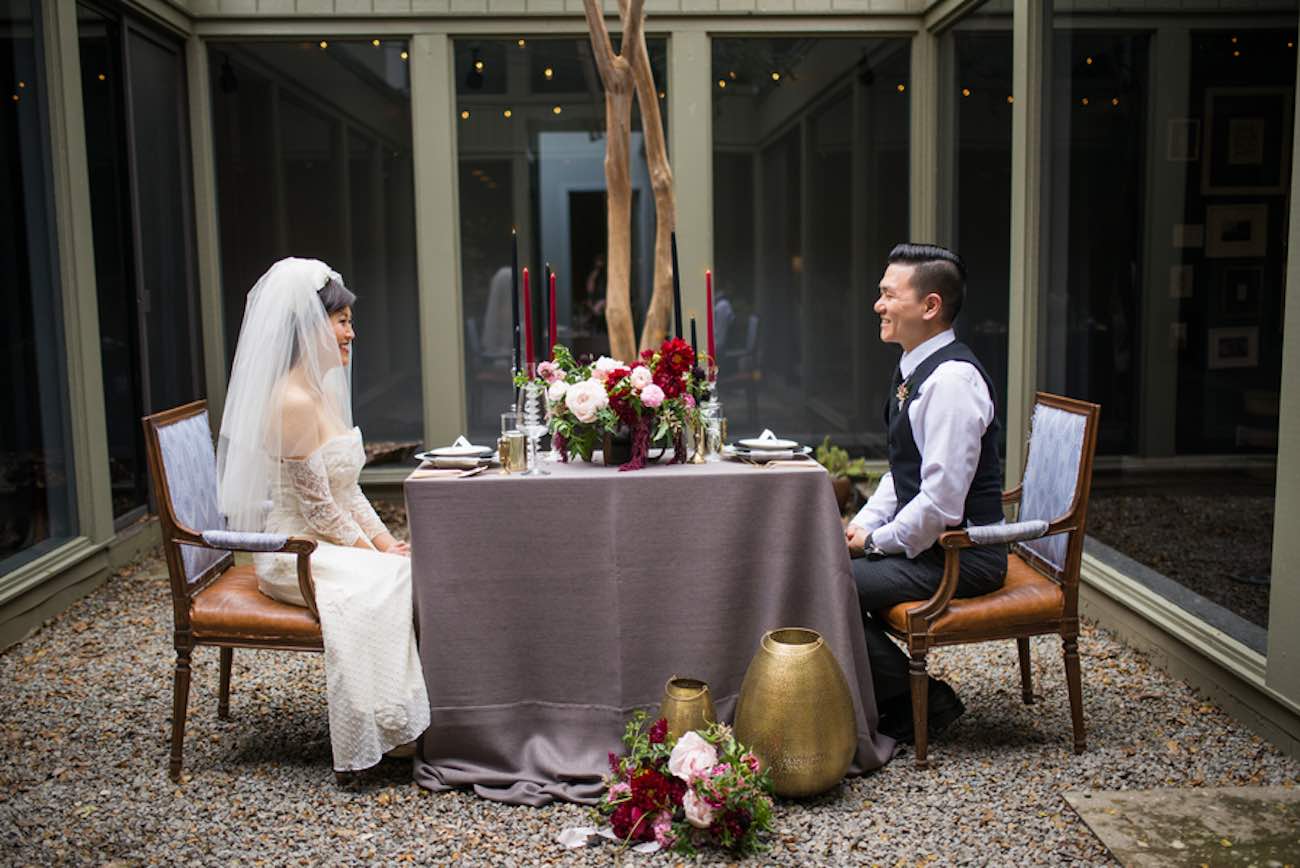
<point>518,451</point>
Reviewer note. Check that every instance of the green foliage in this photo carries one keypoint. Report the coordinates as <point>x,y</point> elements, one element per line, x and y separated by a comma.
<point>837,462</point>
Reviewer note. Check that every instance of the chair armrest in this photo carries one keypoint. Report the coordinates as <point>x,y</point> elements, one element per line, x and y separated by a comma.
<point>243,541</point>
<point>1019,531</point>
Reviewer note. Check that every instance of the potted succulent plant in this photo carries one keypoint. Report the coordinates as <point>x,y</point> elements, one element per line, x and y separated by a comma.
<point>842,469</point>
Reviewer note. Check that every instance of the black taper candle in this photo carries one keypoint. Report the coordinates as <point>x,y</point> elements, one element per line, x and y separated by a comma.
<point>693,344</point>
<point>546,311</point>
<point>677,292</point>
<point>514,299</point>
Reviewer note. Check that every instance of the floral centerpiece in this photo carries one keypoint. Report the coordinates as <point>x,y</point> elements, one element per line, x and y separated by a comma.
<point>703,789</point>
<point>654,398</point>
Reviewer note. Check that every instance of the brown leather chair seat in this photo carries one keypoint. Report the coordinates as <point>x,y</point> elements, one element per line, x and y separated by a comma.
<point>1027,598</point>
<point>233,608</point>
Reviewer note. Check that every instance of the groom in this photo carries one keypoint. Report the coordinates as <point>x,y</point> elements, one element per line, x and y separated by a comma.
<point>944,472</point>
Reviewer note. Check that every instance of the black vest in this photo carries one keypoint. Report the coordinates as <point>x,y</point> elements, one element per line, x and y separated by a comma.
<point>984,500</point>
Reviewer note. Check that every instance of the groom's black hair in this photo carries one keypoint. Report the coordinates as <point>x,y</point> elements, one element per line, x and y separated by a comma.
<point>938,270</point>
<point>335,296</point>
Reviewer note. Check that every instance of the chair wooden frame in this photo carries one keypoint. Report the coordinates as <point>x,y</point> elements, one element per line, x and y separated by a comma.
<point>921,635</point>
<point>184,592</point>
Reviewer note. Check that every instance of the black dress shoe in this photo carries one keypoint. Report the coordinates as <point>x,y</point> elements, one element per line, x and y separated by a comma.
<point>944,707</point>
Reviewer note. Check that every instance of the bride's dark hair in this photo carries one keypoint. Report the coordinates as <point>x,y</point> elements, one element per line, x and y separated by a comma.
<point>335,296</point>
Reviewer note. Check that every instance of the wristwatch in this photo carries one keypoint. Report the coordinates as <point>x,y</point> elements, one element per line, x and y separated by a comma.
<point>873,551</point>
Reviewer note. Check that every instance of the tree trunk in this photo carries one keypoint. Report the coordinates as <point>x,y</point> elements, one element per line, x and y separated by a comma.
<point>659,315</point>
<point>616,76</point>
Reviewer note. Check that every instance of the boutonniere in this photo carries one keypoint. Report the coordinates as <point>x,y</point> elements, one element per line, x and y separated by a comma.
<point>904,389</point>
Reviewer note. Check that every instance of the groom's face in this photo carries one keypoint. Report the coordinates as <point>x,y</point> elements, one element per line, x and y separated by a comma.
<point>906,318</point>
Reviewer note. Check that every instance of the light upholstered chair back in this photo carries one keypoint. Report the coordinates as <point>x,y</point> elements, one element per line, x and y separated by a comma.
<point>1060,453</point>
<point>189,469</point>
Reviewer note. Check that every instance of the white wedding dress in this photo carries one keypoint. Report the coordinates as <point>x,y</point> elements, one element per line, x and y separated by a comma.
<point>375,687</point>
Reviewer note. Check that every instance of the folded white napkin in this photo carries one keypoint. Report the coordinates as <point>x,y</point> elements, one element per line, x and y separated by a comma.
<point>461,442</point>
<point>767,435</point>
<point>462,463</point>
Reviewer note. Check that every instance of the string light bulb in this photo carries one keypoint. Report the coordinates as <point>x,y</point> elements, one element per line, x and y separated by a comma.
<point>101,77</point>
<point>556,110</point>
<point>1114,101</point>
<point>1088,61</point>
<point>662,95</point>
<point>464,115</point>
<point>722,83</point>
<point>507,114</point>
<point>1010,99</point>
<point>22,84</point>
<point>404,55</point>
<point>901,87</point>
<point>776,76</point>
<point>548,73</point>
<point>324,44</point>
<point>523,42</point>
<point>375,43</point>
<point>965,91</point>
<point>1084,101</point>
<point>478,66</point>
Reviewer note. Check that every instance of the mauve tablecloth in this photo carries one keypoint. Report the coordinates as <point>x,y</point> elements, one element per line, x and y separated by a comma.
<point>549,609</point>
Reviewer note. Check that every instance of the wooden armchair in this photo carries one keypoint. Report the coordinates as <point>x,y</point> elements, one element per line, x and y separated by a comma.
<point>1041,593</point>
<point>214,601</point>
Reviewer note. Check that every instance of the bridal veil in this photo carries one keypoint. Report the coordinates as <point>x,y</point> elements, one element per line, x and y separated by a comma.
<point>286,342</point>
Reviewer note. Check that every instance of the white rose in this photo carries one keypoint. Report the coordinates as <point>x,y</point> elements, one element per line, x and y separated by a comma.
<point>699,813</point>
<point>605,366</point>
<point>692,757</point>
<point>586,399</point>
<point>641,377</point>
<point>556,390</point>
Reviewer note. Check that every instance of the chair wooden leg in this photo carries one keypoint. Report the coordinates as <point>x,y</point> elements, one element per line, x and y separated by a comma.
<point>1074,681</point>
<point>180,705</point>
<point>1026,679</point>
<point>920,708</point>
<point>223,691</point>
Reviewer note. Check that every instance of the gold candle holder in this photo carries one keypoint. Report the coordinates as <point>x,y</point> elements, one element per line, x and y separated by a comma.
<point>700,434</point>
<point>503,454</point>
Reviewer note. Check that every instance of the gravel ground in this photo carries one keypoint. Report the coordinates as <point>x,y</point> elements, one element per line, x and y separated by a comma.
<point>84,721</point>
<point>1210,544</point>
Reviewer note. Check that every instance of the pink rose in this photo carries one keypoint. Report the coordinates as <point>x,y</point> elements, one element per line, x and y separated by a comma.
<point>550,372</point>
<point>663,828</point>
<point>652,396</point>
<point>556,390</point>
<point>692,757</point>
<point>586,399</point>
<point>618,790</point>
<point>641,377</point>
<point>752,761</point>
<point>690,400</point>
<point>719,770</point>
<point>698,812</point>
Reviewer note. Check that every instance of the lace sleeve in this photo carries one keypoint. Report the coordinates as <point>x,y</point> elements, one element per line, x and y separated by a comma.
<point>363,513</point>
<point>310,485</point>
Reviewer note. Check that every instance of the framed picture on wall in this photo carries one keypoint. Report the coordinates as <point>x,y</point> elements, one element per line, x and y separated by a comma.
<point>1183,140</point>
<point>1247,140</point>
<point>1236,230</point>
<point>1241,292</point>
<point>1233,348</point>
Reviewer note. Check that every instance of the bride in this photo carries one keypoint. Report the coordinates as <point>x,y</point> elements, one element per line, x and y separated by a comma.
<point>288,461</point>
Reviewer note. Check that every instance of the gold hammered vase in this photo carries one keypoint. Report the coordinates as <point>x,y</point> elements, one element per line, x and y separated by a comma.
<point>796,713</point>
<point>686,706</point>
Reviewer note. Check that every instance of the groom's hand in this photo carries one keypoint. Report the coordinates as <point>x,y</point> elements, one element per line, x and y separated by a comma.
<point>856,537</point>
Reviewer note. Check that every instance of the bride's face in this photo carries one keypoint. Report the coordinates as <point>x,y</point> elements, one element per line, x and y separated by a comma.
<point>342,321</point>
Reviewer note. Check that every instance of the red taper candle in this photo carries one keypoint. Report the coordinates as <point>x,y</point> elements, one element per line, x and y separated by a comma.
<point>528,326</point>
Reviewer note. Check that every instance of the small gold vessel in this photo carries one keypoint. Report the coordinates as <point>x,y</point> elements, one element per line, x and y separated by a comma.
<point>686,706</point>
<point>796,713</point>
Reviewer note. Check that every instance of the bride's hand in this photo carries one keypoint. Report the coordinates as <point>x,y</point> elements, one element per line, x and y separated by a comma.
<point>400,548</point>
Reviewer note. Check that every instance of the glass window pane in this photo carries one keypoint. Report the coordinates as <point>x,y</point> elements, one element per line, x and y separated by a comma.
<point>978,178</point>
<point>810,192</point>
<point>102,97</point>
<point>159,142</point>
<point>531,149</point>
<point>313,153</point>
<point>1171,162</point>
<point>36,480</point>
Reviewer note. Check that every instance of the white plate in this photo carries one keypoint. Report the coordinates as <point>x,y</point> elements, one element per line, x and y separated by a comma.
<point>456,452</point>
<point>758,455</point>
<point>774,443</point>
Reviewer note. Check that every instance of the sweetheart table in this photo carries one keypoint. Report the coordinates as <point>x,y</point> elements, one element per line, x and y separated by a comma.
<point>548,609</point>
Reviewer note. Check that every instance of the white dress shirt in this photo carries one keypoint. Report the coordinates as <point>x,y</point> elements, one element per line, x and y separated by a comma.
<point>949,416</point>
